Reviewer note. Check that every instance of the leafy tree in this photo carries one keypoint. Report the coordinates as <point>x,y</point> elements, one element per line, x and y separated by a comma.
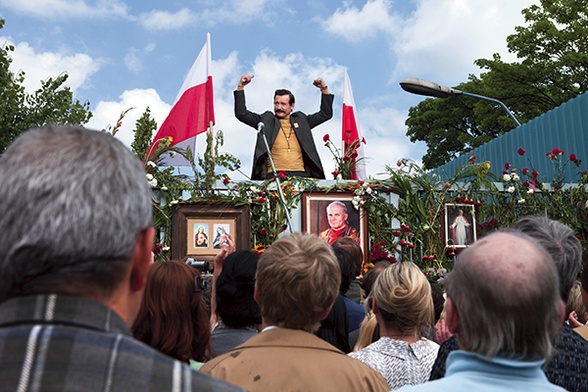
<point>53,103</point>
<point>144,128</point>
<point>553,68</point>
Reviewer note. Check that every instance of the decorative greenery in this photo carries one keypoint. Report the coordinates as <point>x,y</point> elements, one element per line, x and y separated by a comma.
<point>345,161</point>
<point>408,228</point>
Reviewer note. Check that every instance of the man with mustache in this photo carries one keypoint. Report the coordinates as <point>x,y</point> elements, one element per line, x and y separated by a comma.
<point>288,133</point>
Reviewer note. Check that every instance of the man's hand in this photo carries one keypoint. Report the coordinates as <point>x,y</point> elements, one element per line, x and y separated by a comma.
<point>442,333</point>
<point>320,83</point>
<point>245,80</point>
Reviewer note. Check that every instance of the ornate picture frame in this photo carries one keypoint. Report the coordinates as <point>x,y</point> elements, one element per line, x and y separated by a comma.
<point>315,218</point>
<point>460,225</point>
<point>199,229</point>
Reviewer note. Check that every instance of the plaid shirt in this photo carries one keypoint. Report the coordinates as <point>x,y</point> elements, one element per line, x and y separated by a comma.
<point>60,343</point>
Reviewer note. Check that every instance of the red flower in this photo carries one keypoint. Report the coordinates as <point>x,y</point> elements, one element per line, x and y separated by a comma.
<point>363,140</point>
<point>404,228</point>
<point>261,200</point>
<point>402,243</point>
<point>410,245</point>
<point>521,151</point>
<point>335,173</point>
<point>262,231</point>
<point>493,222</point>
<point>525,184</point>
<point>484,225</point>
<point>573,158</point>
<point>396,233</point>
<point>447,186</point>
<point>506,165</point>
<point>226,180</point>
<point>525,170</point>
<point>535,174</point>
<point>282,174</point>
<point>326,138</point>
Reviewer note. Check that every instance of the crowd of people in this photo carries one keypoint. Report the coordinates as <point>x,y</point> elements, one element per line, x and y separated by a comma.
<point>83,306</point>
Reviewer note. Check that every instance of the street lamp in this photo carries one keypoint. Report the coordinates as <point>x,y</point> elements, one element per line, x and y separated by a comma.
<point>431,89</point>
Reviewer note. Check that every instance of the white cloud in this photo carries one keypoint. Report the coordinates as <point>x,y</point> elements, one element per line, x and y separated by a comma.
<point>356,24</point>
<point>39,66</point>
<point>106,113</point>
<point>62,9</point>
<point>132,61</point>
<point>164,20</point>
<point>446,47</point>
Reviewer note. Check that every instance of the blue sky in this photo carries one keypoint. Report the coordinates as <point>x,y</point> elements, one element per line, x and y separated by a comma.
<point>122,54</point>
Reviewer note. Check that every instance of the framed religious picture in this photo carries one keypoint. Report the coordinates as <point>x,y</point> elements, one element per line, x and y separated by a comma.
<point>199,230</point>
<point>460,225</point>
<point>333,215</point>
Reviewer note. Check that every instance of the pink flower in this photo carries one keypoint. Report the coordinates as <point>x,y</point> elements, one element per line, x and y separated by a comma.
<point>521,151</point>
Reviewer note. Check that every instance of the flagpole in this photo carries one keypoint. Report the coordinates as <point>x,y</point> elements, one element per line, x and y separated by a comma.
<point>212,143</point>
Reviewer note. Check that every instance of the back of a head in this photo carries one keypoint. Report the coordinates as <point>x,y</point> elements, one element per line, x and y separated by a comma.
<point>234,290</point>
<point>369,278</point>
<point>505,291</point>
<point>172,318</point>
<point>74,202</point>
<point>351,246</point>
<point>298,279</point>
<point>403,297</point>
<point>347,267</point>
<point>560,242</point>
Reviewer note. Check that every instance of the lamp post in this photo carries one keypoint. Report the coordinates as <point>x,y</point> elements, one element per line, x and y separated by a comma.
<point>431,89</point>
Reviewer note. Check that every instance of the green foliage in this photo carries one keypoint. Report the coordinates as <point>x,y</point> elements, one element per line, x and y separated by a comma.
<point>53,103</point>
<point>552,69</point>
<point>144,128</point>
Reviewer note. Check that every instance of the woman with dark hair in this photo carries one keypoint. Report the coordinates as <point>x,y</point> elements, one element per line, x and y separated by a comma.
<point>237,311</point>
<point>172,318</point>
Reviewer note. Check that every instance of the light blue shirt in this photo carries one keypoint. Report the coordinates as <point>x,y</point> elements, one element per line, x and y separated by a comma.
<point>472,372</point>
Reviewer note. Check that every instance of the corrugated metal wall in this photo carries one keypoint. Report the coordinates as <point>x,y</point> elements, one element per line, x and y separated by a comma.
<point>565,127</point>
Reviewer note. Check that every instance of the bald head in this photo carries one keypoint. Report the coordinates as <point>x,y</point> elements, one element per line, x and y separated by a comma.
<point>494,286</point>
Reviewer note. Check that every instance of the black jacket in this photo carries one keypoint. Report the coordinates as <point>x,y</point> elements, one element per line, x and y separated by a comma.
<point>301,124</point>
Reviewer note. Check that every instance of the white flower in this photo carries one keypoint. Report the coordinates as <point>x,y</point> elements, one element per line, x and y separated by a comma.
<point>172,154</point>
<point>369,189</point>
<point>171,203</point>
<point>165,248</point>
<point>254,189</point>
<point>506,177</point>
<point>511,189</point>
<point>339,177</point>
<point>149,176</point>
<point>530,191</point>
<point>163,188</point>
<point>153,183</point>
<point>515,177</point>
<point>151,163</point>
<point>521,201</point>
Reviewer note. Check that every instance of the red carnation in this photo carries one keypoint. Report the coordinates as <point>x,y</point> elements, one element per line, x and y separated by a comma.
<point>506,165</point>
<point>573,158</point>
<point>226,180</point>
<point>521,151</point>
<point>326,137</point>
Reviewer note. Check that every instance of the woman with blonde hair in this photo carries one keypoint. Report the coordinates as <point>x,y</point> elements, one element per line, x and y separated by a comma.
<point>402,303</point>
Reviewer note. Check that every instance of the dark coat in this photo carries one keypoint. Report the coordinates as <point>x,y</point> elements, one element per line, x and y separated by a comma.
<point>301,124</point>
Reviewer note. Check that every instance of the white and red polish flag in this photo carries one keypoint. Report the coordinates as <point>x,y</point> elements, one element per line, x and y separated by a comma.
<point>193,109</point>
<point>350,134</point>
